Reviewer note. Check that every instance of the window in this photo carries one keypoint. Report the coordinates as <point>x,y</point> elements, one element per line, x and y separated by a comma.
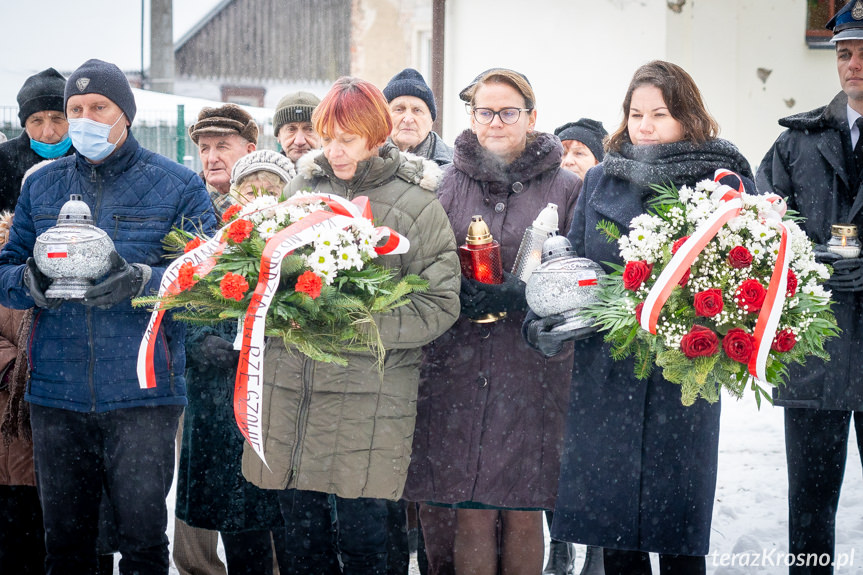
<point>818,13</point>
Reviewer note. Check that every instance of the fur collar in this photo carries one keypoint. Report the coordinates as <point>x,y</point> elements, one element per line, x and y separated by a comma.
<point>541,154</point>
<point>414,169</point>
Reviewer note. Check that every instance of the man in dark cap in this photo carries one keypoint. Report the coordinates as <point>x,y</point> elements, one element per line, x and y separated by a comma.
<point>94,427</point>
<point>582,145</point>
<point>292,124</point>
<point>413,110</point>
<point>223,136</point>
<point>45,135</point>
<point>817,165</point>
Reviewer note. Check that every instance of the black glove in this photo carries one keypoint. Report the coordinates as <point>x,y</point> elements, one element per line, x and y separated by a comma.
<point>824,256</point>
<point>539,335</point>
<point>218,352</point>
<point>36,283</point>
<point>847,275</point>
<point>478,299</point>
<point>124,282</point>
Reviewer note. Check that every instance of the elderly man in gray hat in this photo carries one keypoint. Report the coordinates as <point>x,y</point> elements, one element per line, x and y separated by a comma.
<point>817,165</point>
<point>292,124</point>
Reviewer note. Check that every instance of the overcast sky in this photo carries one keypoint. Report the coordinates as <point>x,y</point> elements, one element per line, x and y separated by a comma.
<point>63,34</point>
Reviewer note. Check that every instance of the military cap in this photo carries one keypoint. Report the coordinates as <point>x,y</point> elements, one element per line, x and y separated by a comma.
<point>847,24</point>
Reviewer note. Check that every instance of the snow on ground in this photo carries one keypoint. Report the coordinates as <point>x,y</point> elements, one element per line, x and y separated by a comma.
<point>750,517</point>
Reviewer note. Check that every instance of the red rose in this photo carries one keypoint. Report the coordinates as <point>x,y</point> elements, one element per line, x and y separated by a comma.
<point>233,286</point>
<point>708,303</point>
<point>750,295</point>
<point>738,345</point>
<point>191,245</point>
<point>635,273</point>
<point>685,277</point>
<point>739,257</point>
<point>676,245</point>
<point>186,275</point>
<point>231,212</point>
<point>638,309</point>
<point>309,283</point>
<point>240,230</point>
<point>699,342</point>
<point>784,341</point>
<point>792,283</point>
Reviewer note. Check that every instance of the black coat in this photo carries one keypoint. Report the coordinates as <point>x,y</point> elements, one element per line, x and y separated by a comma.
<point>810,165</point>
<point>639,468</point>
<point>211,490</point>
<point>16,157</point>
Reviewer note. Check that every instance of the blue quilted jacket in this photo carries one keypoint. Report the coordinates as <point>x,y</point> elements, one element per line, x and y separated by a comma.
<point>83,358</point>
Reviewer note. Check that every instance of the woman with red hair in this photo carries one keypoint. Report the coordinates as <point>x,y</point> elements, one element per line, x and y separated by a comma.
<point>338,437</point>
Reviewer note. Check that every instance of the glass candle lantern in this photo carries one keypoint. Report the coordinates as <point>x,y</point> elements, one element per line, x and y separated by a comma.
<point>479,257</point>
<point>844,240</point>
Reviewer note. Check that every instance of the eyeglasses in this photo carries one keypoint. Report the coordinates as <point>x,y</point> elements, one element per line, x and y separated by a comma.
<point>507,115</point>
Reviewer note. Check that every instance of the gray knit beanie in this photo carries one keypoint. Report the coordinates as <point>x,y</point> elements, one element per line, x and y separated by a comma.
<point>266,161</point>
<point>296,107</point>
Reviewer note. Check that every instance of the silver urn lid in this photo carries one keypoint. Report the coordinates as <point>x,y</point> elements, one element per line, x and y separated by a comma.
<point>563,284</point>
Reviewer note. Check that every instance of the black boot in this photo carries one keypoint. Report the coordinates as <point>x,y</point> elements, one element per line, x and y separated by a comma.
<point>593,564</point>
<point>561,558</point>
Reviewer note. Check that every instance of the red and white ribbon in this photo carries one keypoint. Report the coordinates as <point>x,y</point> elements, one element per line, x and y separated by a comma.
<point>730,204</point>
<point>248,385</point>
<point>204,258</point>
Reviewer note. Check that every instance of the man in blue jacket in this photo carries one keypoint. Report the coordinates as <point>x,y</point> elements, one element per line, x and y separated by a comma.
<point>817,165</point>
<point>92,423</point>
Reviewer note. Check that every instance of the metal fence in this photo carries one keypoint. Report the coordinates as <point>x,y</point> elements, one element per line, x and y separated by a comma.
<point>154,132</point>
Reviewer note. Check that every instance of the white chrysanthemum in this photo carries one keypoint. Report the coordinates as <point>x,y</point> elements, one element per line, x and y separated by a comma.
<point>348,257</point>
<point>323,264</point>
<point>268,228</point>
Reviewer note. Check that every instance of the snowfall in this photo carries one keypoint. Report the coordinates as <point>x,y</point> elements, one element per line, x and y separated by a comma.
<point>750,518</point>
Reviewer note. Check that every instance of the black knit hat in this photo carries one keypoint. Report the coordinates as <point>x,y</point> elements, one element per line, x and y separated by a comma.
<point>409,82</point>
<point>98,77</point>
<point>296,107</point>
<point>227,119</point>
<point>588,132</point>
<point>40,92</point>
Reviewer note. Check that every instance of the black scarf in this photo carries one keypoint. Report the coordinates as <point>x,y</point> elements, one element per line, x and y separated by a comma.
<point>679,163</point>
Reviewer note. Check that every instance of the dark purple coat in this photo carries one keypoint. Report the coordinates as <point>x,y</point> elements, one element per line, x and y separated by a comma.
<point>490,411</point>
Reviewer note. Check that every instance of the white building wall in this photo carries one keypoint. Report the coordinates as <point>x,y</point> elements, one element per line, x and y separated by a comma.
<point>723,43</point>
<point>579,55</point>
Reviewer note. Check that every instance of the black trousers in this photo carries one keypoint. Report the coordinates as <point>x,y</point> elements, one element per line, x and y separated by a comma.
<point>22,537</point>
<point>816,447</point>
<point>329,535</point>
<point>128,452</point>
<point>619,562</point>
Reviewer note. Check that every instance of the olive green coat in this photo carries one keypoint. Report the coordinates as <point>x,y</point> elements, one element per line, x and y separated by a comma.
<point>348,430</point>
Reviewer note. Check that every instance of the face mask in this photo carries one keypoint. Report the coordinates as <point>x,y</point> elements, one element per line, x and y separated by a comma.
<point>90,138</point>
<point>51,151</point>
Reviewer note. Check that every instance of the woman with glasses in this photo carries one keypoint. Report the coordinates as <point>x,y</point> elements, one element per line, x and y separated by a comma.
<point>639,469</point>
<point>490,410</point>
